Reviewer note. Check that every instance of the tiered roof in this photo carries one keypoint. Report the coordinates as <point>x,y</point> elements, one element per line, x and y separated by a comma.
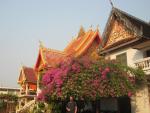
<point>76,48</point>
<point>81,44</point>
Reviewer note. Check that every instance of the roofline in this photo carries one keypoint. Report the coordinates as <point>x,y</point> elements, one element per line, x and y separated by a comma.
<point>124,13</point>
<point>116,47</point>
<point>109,18</point>
<point>9,88</point>
<point>132,16</point>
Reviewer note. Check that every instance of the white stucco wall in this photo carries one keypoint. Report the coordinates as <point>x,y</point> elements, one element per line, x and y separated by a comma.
<point>132,55</point>
<point>140,102</point>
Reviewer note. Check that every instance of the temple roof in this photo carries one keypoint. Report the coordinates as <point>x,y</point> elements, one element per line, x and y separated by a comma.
<point>136,27</point>
<point>27,75</point>
<point>80,45</point>
<point>50,57</point>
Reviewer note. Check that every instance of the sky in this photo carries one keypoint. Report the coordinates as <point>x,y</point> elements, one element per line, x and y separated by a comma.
<point>23,23</point>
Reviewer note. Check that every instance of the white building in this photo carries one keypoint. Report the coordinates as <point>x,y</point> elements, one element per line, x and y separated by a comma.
<point>127,39</point>
<point>7,90</point>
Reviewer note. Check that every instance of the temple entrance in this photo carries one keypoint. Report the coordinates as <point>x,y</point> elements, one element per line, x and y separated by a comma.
<point>124,105</point>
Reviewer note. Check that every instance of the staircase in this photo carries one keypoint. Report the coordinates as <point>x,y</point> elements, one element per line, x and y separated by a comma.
<point>26,107</point>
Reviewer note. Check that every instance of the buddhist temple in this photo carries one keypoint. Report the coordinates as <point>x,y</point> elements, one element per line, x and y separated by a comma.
<point>86,44</point>
<point>127,39</point>
<point>27,80</point>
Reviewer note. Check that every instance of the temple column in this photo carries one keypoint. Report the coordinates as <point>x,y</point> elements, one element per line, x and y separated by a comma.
<point>38,84</point>
<point>27,88</point>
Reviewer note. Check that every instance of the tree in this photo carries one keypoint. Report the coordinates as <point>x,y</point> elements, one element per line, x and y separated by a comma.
<point>91,80</point>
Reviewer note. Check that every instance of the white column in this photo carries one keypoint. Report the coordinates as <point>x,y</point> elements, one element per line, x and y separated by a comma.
<point>141,103</point>
<point>133,104</point>
<point>27,89</point>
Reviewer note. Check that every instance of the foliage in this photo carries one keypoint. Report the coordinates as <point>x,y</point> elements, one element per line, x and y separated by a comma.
<point>9,97</point>
<point>91,80</point>
<point>2,104</point>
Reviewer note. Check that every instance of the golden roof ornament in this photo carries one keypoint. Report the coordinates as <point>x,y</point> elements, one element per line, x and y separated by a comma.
<point>97,27</point>
<point>91,27</point>
<point>41,44</point>
<point>81,32</point>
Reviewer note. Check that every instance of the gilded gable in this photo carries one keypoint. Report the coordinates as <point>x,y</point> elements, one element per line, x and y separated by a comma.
<point>119,32</point>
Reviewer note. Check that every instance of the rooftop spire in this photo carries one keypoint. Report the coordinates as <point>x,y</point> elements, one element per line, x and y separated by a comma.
<point>81,32</point>
<point>112,5</point>
<point>41,44</point>
<point>97,27</point>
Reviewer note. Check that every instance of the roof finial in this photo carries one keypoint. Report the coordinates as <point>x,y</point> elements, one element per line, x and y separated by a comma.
<point>91,27</point>
<point>111,3</point>
<point>81,32</point>
<point>41,43</point>
<point>97,27</point>
<point>22,64</point>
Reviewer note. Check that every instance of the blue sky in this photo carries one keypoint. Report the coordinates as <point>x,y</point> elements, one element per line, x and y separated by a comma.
<point>24,22</point>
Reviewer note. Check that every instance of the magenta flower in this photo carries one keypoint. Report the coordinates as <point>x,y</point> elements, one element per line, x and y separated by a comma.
<point>107,69</point>
<point>129,94</point>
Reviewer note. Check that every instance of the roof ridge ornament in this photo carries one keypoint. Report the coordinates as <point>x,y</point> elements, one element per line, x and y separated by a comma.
<point>91,26</point>
<point>97,27</point>
<point>111,3</point>
<point>41,45</point>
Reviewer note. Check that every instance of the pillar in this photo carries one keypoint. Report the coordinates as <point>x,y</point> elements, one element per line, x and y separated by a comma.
<point>140,102</point>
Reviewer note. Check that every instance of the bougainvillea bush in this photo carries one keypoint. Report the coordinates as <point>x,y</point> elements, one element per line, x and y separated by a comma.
<point>89,79</point>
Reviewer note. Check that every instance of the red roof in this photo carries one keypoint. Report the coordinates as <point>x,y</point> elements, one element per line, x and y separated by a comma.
<point>49,57</point>
<point>27,74</point>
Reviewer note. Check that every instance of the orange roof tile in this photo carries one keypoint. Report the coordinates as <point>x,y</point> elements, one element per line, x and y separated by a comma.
<point>79,45</point>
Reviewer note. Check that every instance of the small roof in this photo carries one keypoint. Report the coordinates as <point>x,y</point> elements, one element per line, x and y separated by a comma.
<point>49,57</point>
<point>27,74</point>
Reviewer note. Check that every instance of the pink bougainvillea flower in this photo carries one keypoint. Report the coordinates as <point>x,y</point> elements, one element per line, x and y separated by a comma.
<point>100,69</point>
<point>107,69</point>
<point>104,73</point>
<point>75,67</point>
<point>129,94</point>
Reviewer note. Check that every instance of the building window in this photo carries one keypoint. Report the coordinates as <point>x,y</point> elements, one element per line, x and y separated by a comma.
<point>148,53</point>
<point>122,58</point>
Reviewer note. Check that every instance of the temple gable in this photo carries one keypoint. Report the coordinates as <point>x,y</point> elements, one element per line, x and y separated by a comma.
<point>118,33</point>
